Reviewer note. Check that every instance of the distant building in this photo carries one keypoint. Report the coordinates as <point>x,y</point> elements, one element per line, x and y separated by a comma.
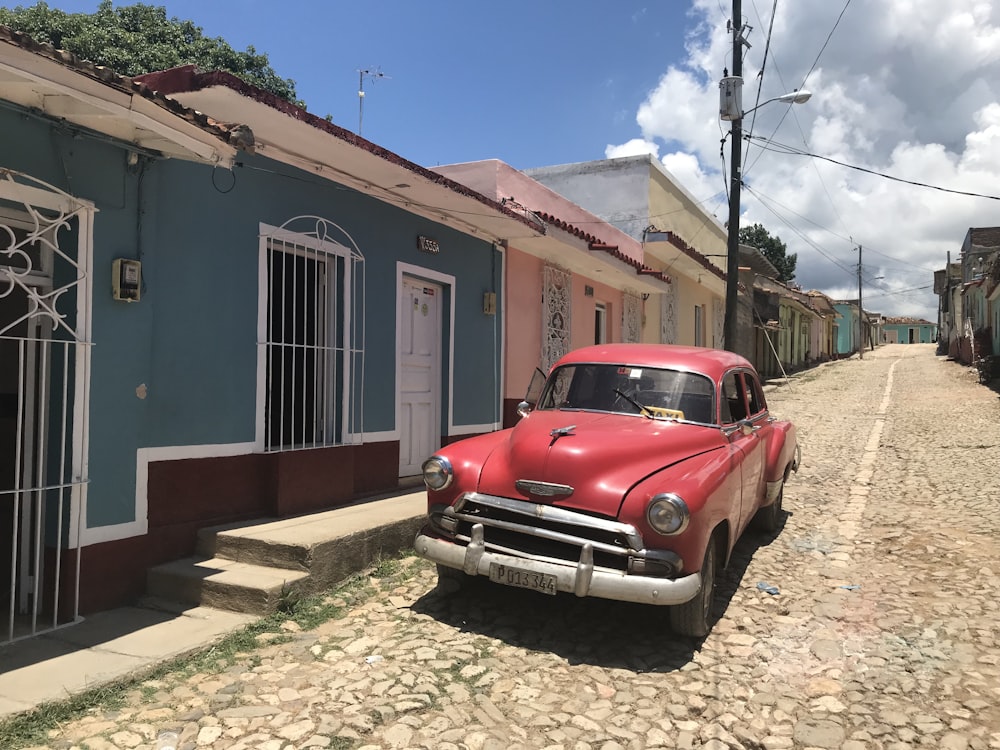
<point>969,298</point>
<point>908,331</point>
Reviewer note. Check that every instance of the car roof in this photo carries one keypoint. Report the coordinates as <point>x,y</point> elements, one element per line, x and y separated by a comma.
<point>711,362</point>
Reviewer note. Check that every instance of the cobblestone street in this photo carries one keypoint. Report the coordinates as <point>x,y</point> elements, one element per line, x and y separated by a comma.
<point>884,632</point>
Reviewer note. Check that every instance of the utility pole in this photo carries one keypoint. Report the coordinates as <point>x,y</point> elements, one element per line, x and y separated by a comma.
<point>861,312</point>
<point>731,108</point>
<point>945,308</point>
<point>735,183</point>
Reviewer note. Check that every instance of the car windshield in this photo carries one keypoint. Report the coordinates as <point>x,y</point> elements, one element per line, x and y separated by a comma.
<point>627,389</point>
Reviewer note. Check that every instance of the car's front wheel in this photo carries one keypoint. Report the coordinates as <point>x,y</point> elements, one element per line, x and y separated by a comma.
<point>452,579</point>
<point>694,617</point>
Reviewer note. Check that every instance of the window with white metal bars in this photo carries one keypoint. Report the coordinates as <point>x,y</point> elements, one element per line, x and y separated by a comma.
<point>306,364</point>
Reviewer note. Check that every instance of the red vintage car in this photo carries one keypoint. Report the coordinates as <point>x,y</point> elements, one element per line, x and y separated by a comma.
<point>630,477</point>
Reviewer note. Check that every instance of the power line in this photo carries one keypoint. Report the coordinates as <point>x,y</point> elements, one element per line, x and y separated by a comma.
<point>763,67</point>
<point>799,234</point>
<point>902,291</point>
<point>828,38</point>
<point>850,271</point>
<point>795,117</point>
<point>912,268</point>
<point>784,149</point>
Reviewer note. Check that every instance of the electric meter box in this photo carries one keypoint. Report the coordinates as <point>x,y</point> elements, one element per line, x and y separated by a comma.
<point>731,98</point>
<point>126,279</point>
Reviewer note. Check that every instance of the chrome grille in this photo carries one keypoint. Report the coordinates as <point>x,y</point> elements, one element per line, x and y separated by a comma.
<point>530,529</point>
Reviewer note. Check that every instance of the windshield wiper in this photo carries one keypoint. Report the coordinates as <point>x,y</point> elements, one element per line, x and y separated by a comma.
<point>642,409</point>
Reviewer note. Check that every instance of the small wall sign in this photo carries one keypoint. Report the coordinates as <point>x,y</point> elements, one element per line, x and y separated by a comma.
<point>427,245</point>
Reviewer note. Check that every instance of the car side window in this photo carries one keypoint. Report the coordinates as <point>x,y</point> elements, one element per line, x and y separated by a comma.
<point>733,405</point>
<point>755,395</point>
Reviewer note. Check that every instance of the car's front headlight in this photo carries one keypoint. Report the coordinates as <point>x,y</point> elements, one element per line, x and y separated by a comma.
<point>668,514</point>
<point>437,472</point>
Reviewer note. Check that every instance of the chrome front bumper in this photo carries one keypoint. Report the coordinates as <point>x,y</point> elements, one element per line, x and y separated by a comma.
<point>581,578</point>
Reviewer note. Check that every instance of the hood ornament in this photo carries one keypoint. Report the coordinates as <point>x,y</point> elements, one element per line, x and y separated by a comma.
<point>559,432</point>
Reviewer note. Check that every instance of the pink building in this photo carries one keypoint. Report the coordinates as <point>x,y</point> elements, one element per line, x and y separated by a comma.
<point>582,282</point>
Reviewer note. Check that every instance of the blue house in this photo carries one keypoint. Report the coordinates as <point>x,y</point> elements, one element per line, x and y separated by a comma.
<point>908,331</point>
<point>210,318</point>
<point>847,329</point>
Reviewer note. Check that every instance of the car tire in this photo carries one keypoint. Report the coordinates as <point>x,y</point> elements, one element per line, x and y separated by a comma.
<point>694,618</point>
<point>769,517</point>
<point>452,579</point>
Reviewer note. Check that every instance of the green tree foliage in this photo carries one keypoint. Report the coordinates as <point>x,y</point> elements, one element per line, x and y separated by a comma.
<point>136,39</point>
<point>773,249</point>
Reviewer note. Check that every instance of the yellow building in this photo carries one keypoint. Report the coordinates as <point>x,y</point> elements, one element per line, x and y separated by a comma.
<point>679,238</point>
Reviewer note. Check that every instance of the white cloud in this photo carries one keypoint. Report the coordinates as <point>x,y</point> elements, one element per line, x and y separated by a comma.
<point>908,88</point>
<point>688,172</point>
<point>635,147</point>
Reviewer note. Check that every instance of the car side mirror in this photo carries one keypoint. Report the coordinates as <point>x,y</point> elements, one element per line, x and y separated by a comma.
<point>534,393</point>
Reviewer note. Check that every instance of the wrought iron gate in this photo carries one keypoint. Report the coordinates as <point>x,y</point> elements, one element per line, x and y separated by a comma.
<point>45,248</point>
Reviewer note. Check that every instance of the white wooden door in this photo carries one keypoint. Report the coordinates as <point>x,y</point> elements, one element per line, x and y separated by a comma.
<point>420,374</point>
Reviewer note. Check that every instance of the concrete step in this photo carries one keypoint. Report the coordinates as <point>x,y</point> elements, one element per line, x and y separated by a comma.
<point>249,567</point>
<point>330,545</point>
<point>225,584</point>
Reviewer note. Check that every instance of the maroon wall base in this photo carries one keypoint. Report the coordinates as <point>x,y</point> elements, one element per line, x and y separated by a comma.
<point>186,495</point>
<point>113,574</point>
<point>510,415</point>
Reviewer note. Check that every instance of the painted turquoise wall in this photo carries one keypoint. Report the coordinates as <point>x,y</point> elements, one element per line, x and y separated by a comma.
<point>926,333</point>
<point>847,331</point>
<point>192,339</point>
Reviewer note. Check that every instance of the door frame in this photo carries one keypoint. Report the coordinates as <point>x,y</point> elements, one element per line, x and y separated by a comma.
<point>437,366</point>
<point>448,286</point>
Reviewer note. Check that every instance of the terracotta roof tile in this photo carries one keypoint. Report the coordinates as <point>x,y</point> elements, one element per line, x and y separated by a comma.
<point>907,321</point>
<point>593,243</point>
<point>109,77</point>
<point>685,248</point>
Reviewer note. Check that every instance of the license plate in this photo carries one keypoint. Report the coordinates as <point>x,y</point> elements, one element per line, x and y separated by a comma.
<point>525,579</point>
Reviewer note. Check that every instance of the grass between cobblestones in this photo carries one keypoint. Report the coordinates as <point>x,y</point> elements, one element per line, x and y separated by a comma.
<point>36,727</point>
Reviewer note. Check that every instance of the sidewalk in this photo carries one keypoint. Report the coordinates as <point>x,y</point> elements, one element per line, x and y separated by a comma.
<point>104,647</point>
<point>110,645</point>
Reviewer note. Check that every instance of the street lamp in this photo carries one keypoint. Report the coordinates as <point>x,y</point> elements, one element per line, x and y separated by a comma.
<point>731,108</point>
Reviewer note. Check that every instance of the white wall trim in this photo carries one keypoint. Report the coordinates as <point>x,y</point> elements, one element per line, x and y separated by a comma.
<point>474,429</point>
<point>143,457</point>
<point>380,437</point>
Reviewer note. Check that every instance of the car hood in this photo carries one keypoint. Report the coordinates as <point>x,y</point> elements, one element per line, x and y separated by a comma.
<point>599,455</point>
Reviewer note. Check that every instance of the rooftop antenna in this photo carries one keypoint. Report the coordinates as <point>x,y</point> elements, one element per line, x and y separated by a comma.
<point>362,74</point>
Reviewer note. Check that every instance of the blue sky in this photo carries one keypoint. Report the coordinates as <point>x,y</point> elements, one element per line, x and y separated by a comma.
<point>532,83</point>
<point>909,88</point>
